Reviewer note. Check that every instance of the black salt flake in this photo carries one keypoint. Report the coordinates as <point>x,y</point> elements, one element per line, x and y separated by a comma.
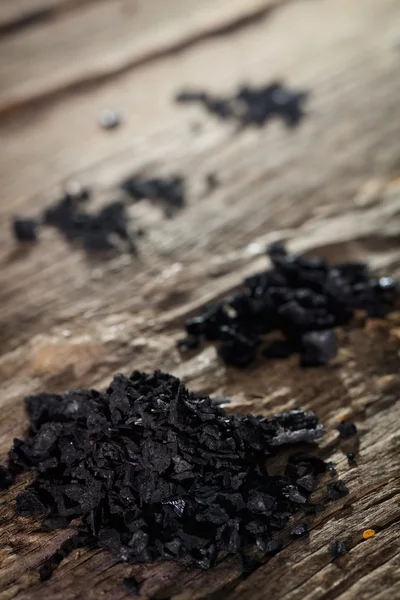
<point>337,489</point>
<point>338,548</point>
<point>346,430</point>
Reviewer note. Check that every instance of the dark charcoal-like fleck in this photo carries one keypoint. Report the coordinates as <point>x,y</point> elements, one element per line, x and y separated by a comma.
<point>25,230</point>
<point>300,530</point>
<point>319,347</point>
<point>337,489</point>
<point>301,298</point>
<point>96,232</point>
<point>346,430</point>
<point>6,478</point>
<point>153,471</point>
<point>169,191</point>
<point>337,548</point>
<point>252,105</point>
<point>351,455</point>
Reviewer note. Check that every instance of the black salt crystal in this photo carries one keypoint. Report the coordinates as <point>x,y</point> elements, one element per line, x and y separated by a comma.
<point>351,455</point>
<point>25,230</point>
<point>346,430</point>
<point>319,347</point>
<point>337,489</point>
<point>307,483</point>
<point>300,530</point>
<point>170,192</point>
<point>338,548</point>
<point>28,503</point>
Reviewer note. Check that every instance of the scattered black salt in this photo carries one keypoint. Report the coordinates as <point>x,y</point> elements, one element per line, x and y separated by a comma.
<point>168,191</point>
<point>302,298</point>
<point>252,105</point>
<point>6,478</point>
<point>351,455</point>
<point>153,471</point>
<point>97,232</point>
<point>338,548</point>
<point>337,489</point>
<point>346,429</point>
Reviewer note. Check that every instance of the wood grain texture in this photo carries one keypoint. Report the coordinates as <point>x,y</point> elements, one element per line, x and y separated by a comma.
<point>332,186</point>
<point>20,14</point>
<point>82,49</point>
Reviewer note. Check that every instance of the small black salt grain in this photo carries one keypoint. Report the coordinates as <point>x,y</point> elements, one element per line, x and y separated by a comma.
<point>152,471</point>
<point>346,430</point>
<point>300,530</point>
<point>338,548</point>
<point>319,347</point>
<point>25,230</point>
<point>252,105</point>
<point>351,455</point>
<point>6,478</point>
<point>337,489</point>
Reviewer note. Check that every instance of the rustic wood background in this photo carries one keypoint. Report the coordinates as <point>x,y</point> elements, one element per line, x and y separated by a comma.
<point>332,186</point>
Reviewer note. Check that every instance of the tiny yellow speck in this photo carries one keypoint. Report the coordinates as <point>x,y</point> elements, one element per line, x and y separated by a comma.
<point>368,533</point>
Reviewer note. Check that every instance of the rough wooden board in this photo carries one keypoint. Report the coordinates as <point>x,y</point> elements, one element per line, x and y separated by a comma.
<point>17,14</point>
<point>107,38</point>
<point>266,174</point>
<point>340,196</point>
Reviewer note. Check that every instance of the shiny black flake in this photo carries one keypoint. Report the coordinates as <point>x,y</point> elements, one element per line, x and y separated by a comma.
<point>337,489</point>
<point>338,548</point>
<point>346,429</point>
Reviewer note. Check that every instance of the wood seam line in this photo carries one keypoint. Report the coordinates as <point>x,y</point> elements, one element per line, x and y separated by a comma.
<point>37,16</point>
<point>103,75</point>
<point>234,584</point>
<point>397,555</point>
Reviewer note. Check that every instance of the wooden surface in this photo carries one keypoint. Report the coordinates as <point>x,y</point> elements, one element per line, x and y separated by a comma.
<point>332,187</point>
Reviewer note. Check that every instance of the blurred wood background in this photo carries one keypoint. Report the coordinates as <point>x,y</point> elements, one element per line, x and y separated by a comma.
<point>332,187</point>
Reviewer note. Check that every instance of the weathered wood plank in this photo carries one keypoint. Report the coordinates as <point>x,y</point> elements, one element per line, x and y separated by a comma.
<point>19,14</point>
<point>103,39</point>
<point>269,181</point>
<point>332,186</point>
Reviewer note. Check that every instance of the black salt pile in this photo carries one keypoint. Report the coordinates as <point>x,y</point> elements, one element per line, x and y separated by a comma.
<point>97,232</point>
<point>252,105</point>
<point>302,299</point>
<point>169,192</point>
<point>153,471</point>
